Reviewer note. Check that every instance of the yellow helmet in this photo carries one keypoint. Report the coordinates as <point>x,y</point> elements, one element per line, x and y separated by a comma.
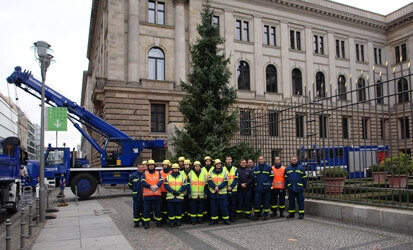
<point>166,162</point>
<point>197,163</point>
<point>175,165</point>
<point>187,162</point>
<point>217,161</point>
<point>207,158</point>
<point>144,162</point>
<point>151,162</point>
<point>181,158</point>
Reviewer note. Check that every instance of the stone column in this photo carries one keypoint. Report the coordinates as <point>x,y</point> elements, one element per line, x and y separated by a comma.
<point>259,70</point>
<point>133,41</point>
<point>309,61</point>
<point>286,86</point>
<point>332,61</point>
<point>180,46</point>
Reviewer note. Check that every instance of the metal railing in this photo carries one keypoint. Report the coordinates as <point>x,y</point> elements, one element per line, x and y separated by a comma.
<point>361,131</point>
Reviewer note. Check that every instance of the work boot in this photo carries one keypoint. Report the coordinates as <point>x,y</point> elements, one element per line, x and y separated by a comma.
<point>256,216</point>
<point>213,222</point>
<point>158,224</point>
<point>231,219</point>
<point>179,224</point>
<point>136,224</point>
<point>146,226</point>
<point>290,215</point>
<point>248,217</point>
<point>301,216</point>
<point>282,214</point>
<point>193,222</point>
<point>171,224</point>
<point>274,214</point>
<point>201,222</point>
<point>226,222</point>
<point>265,217</point>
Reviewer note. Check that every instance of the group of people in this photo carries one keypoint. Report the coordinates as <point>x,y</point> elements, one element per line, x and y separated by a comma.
<point>192,193</point>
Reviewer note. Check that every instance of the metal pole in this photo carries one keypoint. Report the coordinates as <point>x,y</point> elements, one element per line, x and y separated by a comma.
<point>30,219</point>
<point>56,140</point>
<point>76,194</point>
<point>37,211</point>
<point>8,236</point>
<point>42,192</point>
<point>22,236</point>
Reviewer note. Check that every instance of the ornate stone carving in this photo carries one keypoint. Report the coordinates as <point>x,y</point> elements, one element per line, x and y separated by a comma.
<point>176,2</point>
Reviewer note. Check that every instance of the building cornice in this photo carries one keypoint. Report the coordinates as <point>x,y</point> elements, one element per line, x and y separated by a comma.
<point>92,26</point>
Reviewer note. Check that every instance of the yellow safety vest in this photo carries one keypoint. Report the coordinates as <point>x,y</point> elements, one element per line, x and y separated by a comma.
<point>197,184</point>
<point>175,184</point>
<point>231,177</point>
<point>218,179</point>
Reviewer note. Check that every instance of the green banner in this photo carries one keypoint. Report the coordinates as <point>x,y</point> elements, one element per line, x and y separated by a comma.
<point>56,119</point>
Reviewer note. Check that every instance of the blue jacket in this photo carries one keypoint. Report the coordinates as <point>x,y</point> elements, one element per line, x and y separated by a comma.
<point>135,183</point>
<point>263,176</point>
<point>295,178</point>
<point>212,185</point>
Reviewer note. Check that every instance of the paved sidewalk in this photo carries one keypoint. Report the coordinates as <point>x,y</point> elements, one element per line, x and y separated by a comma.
<point>81,226</point>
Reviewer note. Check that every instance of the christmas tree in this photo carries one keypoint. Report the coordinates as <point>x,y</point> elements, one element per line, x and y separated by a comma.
<point>210,119</point>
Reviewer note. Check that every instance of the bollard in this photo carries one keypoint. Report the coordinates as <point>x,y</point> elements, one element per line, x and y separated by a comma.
<point>30,219</point>
<point>8,236</point>
<point>22,236</point>
<point>37,212</point>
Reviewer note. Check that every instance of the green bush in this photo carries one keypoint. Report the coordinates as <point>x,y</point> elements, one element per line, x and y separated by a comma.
<point>331,172</point>
<point>401,163</point>
<point>375,168</point>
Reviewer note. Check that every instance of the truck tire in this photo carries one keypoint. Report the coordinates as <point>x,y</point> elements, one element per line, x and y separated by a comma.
<point>86,185</point>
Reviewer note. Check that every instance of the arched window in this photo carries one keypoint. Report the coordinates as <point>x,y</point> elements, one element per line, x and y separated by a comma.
<point>320,85</point>
<point>402,89</point>
<point>156,64</point>
<point>271,75</point>
<point>243,75</point>
<point>297,82</point>
<point>379,92</point>
<point>361,92</point>
<point>341,84</point>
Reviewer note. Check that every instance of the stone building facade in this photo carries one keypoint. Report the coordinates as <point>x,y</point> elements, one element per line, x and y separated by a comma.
<point>138,52</point>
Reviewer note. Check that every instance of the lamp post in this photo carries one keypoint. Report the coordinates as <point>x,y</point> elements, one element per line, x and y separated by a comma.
<point>41,53</point>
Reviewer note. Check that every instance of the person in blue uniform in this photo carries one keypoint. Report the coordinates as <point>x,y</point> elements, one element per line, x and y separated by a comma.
<point>296,184</point>
<point>218,182</point>
<point>263,176</point>
<point>245,181</point>
<point>135,183</point>
<point>175,184</point>
<point>232,187</point>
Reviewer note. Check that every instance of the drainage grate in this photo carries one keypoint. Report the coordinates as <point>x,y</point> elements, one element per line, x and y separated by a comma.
<point>106,211</point>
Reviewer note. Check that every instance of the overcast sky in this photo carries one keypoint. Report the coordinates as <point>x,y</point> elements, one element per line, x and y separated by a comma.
<point>65,25</point>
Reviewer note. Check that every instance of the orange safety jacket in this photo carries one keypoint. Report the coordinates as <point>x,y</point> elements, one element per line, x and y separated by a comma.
<point>279,180</point>
<point>152,179</point>
<point>164,175</point>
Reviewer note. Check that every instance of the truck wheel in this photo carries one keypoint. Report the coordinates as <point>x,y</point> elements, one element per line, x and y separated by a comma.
<point>86,185</point>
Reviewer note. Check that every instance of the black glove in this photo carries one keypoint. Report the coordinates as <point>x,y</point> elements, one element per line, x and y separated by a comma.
<point>176,193</point>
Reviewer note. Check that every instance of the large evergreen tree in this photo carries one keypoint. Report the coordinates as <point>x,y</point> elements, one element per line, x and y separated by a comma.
<point>209,123</point>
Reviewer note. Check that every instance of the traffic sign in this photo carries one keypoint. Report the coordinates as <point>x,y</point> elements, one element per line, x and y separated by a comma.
<point>56,119</point>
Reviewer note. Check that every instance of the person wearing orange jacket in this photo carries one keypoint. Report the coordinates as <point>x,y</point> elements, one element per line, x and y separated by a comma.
<point>278,188</point>
<point>166,170</point>
<point>152,181</point>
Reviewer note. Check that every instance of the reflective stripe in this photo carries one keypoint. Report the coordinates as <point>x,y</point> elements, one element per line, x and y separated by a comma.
<point>289,184</point>
<point>158,218</point>
<point>214,218</point>
<point>238,211</point>
<point>218,179</point>
<point>257,172</point>
<point>282,206</point>
<point>171,218</point>
<point>225,217</point>
<point>265,172</point>
<point>193,215</point>
<point>299,184</point>
<point>266,210</point>
<point>175,183</point>
<point>248,212</point>
<point>301,211</point>
<point>256,210</point>
<point>146,219</point>
<point>130,184</point>
<point>305,176</point>
<point>134,192</point>
<point>274,206</point>
<point>289,171</point>
<point>205,212</point>
<point>179,217</point>
<point>138,219</point>
<point>299,171</point>
<point>291,211</point>
<point>200,215</point>
<point>135,180</point>
<point>165,212</point>
<point>197,184</point>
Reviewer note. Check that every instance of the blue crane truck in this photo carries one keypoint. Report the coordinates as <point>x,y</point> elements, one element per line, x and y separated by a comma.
<point>118,152</point>
<point>16,172</point>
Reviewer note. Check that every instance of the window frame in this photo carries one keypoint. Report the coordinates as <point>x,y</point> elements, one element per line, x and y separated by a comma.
<point>156,59</point>
<point>320,86</point>
<point>155,115</point>
<point>403,86</point>
<point>156,10</point>
<point>361,90</point>
<point>299,125</point>
<point>345,121</point>
<point>294,83</point>
<point>273,86</point>
<point>245,122</point>
<point>246,73</point>
<point>342,95</point>
<point>274,122</point>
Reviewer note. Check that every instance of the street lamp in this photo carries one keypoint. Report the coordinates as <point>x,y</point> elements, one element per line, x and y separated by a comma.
<point>41,49</point>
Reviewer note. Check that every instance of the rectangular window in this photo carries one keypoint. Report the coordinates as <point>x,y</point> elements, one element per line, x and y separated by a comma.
<point>299,125</point>
<point>323,126</point>
<point>274,124</point>
<point>364,128</point>
<point>238,30</point>
<point>345,128</point>
<point>245,123</point>
<point>383,128</point>
<point>292,39</point>
<point>161,13</point>
<point>318,44</point>
<point>343,54</point>
<point>338,48</point>
<point>404,128</point>
<point>375,56</point>
<point>275,153</point>
<point>273,41</point>
<point>151,11</point>
<point>158,118</point>
<point>404,52</point>
<point>159,154</point>
<point>295,39</point>
<point>156,12</point>
<point>357,52</point>
<point>215,21</point>
<point>245,36</point>
<point>298,35</point>
<point>400,53</point>
<point>266,35</point>
<point>360,52</point>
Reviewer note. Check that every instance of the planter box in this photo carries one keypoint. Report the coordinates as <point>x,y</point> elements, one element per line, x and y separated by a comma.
<point>379,177</point>
<point>334,186</point>
<point>397,181</point>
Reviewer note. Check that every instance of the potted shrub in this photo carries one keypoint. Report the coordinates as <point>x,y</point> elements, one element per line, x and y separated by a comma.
<point>378,172</point>
<point>334,178</point>
<point>400,167</point>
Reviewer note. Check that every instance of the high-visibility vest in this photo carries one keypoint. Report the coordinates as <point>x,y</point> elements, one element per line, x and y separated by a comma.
<point>197,184</point>
<point>151,179</point>
<point>204,170</point>
<point>218,179</point>
<point>175,183</point>
<point>231,177</point>
<point>164,175</point>
<point>279,179</point>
